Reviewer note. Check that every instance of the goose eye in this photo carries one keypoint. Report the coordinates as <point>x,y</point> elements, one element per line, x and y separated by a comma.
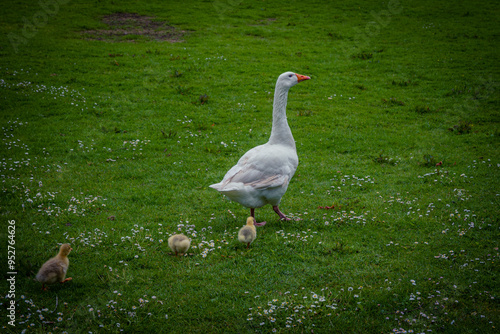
<point>291,75</point>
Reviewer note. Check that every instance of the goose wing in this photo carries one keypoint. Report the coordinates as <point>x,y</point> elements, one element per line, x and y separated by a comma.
<point>262,167</point>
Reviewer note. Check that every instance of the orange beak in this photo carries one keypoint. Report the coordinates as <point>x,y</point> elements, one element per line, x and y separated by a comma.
<point>301,77</point>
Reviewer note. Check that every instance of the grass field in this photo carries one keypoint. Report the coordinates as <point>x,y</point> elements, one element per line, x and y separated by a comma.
<point>116,117</point>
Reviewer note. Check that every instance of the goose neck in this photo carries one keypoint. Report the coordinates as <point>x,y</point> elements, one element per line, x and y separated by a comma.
<point>281,133</point>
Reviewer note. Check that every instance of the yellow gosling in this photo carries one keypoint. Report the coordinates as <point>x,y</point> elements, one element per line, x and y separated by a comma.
<point>54,270</point>
<point>179,243</point>
<point>248,233</point>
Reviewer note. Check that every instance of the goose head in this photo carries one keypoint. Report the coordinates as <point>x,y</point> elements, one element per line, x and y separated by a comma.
<point>290,79</point>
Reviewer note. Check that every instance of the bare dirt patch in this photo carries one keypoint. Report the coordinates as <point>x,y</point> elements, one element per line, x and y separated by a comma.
<point>130,27</point>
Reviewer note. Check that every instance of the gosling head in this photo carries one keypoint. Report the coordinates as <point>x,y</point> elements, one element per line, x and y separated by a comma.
<point>65,249</point>
<point>250,221</point>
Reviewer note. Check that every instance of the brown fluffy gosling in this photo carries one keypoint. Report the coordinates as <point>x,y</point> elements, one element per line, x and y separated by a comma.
<point>54,270</point>
<point>179,243</point>
<point>248,233</point>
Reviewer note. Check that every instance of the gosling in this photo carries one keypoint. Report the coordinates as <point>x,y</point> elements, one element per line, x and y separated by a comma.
<point>54,270</point>
<point>179,243</point>
<point>248,233</point>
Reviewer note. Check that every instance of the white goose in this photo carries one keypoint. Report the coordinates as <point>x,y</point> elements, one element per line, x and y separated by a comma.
<point>261,176</point>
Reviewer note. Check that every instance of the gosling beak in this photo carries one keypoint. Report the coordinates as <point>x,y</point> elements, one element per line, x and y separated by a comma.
<point>301,77</point>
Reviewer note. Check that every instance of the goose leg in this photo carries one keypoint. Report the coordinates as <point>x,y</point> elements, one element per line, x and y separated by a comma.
<point>67,279</point>
<point>252,213</point>
<point>282,216</point>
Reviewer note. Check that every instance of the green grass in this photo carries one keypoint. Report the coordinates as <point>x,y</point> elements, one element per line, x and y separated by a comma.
<point>111,144</point>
